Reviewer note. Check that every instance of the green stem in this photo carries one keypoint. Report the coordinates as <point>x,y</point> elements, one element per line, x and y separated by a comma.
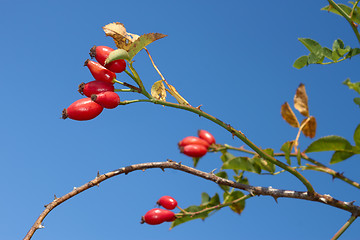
<point>353,9</point>
<point>344,227</point>
<point>139,82</point>
<point>347,17</point>
<point>236,133</point>
<point>130,75</point>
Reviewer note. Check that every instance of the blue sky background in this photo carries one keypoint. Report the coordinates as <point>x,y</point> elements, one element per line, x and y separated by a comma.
<point>233,57</point>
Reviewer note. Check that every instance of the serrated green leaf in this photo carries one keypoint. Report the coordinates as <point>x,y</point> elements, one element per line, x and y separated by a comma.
<point>357,136</point>
<point>223,174</point>
<point>346,9</point>
<point>142,42</point>
<point>269,151</point>
<point>340,156</point>
<point>342,52</point>
<point>184,219</point>
<point>357,101</point>
<point>327,53</point>
<point>329,143</point>
<point>237,207</point>
<point>301,62</point>
<point>242,163</point>
<point>265,165</point>
<point>286,148</point>
<point>116,55</point>
<point>353,52</point>
<point>355,86</point>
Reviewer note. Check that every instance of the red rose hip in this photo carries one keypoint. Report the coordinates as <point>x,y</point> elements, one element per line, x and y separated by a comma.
<point>194,150</point>
<point>108,100</point>
<point>193,140</point>
<point>167,202</point>
<point>157,216</point>
<point>95,87</point>
<point>99,72</point>
<point>101,53</point>
<point>82,109</point>
<point>203,134</point>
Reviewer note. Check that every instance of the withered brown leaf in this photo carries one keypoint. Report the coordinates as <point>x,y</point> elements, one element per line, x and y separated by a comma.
<point>288,115</point>
<point>176,95</point>
<point>309,130</point>
<point>117,31</point>
<point>301,100</point>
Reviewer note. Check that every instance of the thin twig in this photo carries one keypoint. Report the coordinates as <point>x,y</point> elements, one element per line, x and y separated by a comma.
<point>344,227</point>
<point>265,191</point>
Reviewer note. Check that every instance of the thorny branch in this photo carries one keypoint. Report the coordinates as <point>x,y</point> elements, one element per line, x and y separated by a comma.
<point>264,191</point>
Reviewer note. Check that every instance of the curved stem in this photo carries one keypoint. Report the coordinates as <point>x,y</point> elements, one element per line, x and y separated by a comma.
<point>261,191</point>
<point>139,82</point>
<point>236,133</point>
<point>343,228</point>
<point>347,17</point>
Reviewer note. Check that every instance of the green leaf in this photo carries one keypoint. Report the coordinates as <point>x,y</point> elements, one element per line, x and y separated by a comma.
<point>226,156</point>
<point>338,44</point>
<point>357,101</point>
<point>313,58</point>
<point>329,143</point>
<point>355,86</point>
<point>215,200</point>
<point>357,136</point>
<point>298,157</point>
<point>353,52</point>
<point>205,199</point>
<point>301,62</point>
<point>286,148</point>
<point>184,219</point>
<point>327,53</point>
<point>241,179</point>
<point>340,156</point>
<point>223,174</point>
<point>116,55</point>
<point>142,42</point>
<point>242,163</point>
<point>237,207</point>
<point>346,9</point>
<point>195,161</point>
<point>312,45</point>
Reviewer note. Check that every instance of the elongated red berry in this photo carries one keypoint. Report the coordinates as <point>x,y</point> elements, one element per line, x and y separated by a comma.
<point>106,99</point>
<point>203,134</point>
<point>95,87</point>
<point>193,140</point>
<point>194,150</point>
<point>101,53</point>
<point>167,202</point>
<point>82,109</point>
<point>157,216</point>
<point>99,72</point>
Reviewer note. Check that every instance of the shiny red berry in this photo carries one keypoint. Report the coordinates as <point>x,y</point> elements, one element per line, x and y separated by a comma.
<point>82,109</point>
<point>203,134</point>
<point>95,87</point>
<point>167,202</point>
<point>193,140</point>
<point>157,216</point>
<point>106,99</point>
<point>99,72</point>
<point>194,150</point>
<point>101,53</point>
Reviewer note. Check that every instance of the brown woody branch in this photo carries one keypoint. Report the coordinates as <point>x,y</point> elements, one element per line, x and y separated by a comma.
<point>266,191</point>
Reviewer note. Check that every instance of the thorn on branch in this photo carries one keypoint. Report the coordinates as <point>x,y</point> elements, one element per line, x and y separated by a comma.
<point>276,199</point>
<point>55,198</point>
<point>163,169</point>
<point>169,160</point>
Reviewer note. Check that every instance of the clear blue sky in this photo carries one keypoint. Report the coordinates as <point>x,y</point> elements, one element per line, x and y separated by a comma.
<point>233,57</point>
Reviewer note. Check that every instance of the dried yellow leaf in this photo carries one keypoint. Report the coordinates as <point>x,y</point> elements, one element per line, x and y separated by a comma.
<point>117,31</point>
<point>176,95</point>
<point>309,129</point>
<point>288,115</point>
<point>301,100</point>
<point>158,90</point>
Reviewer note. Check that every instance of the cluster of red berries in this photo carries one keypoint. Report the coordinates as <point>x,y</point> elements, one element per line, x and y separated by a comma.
<point>197,146</point>
<point>158,215</point>
<point>100,93</point>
